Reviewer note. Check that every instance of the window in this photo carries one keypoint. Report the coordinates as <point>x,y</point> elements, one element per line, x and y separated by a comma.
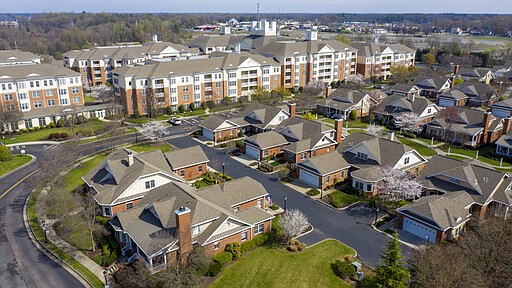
<point>21,85</point>
<point>266,71</point>
<point>150,184</point>
<point>38,104</point>
<point>244,235</point>
<point>217,85</point>
<point>28,123</point>
<point>216,245</point>
<point>8,97</point>
<point>260,203</point>
<point>36,94</point>
<point>185,88</point>
<point>185,97</point>
<point>196,230</point>
<point>369,187</point>
<point>314,153</point>
<point>182,172</point>
<point>64,101</point>
<point>406,160</point>
<point>173,90</point>
<point>362,155</point>
<point>49,93</point>
<point>62,81</point>
<point>232,75</point>
<point>200,167</point>
<point>302,156</point>
<point>258,228</point>
<point>107,211</point>
<point>173,80</point>
<point>75,90</point>
<point>197,87</point>
<point>454,180</point>
<point>24,106</point>
<point>129,205</point>
<point>51,102</point>
<point>457,231</point>
<point>10,107</point>
<point>236,209</point>
<point>76,99</point>
<point>196,78</point>
<point>42,121</point>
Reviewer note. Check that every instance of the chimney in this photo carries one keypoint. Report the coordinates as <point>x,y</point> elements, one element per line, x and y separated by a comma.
<point>130,158</point>
<point>456,69</point>
<point>292,109</point>
<point>452,81</point>
<point>487,121</point>
<point>391,136</point>
<point>184,233</point>
<point>338,126</point>
<point>328,91</point>
<point>506,125</point>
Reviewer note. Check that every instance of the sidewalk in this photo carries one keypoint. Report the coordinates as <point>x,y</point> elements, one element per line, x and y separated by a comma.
<point>405,238</point>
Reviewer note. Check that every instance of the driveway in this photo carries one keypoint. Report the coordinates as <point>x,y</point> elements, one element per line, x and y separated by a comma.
<point>350,226</point>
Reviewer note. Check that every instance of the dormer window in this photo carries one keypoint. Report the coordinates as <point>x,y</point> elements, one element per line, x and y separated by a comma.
<point>150,184</point>
<point>236,209</point>
<point>406,160</point>
<point>361,155</point>
<point>454,180</point>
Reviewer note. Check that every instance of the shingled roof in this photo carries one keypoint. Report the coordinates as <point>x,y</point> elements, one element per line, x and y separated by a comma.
<point>186,157</point>
<point>325,164</point>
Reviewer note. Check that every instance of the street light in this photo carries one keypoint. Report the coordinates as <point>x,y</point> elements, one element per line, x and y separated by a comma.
<point>376,214</point>
<point>44,227</point>
<point>223,164</point>
<point>285,198</point>
<point>428,239</point>
<point>105,274</point>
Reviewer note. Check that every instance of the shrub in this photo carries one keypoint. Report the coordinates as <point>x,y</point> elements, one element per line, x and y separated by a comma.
<point>214,268</point>
<point>344,269</point>
<point>61,123</point>
<point>273,207</point>
<point>181,108</point>
<point>51,125</point>
<point>36,128</point>
<point>235,250</point>
<point>222,258</point>
<point>292,248</point>
<point>247,246</point>
<point>353,115</point>
<point>63,135</point>
<point>294,242</point>
<point>5,153</point>
<point>313,192</point>
<point>301,246</point>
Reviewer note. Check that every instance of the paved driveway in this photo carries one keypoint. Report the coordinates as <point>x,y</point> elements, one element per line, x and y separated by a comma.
<point>350,226</point>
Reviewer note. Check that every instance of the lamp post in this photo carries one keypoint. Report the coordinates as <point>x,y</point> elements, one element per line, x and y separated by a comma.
<point>428,239</point>
<point>376,214</point>
<point>44,227</point>
<point>285,198</point>
<point>105,275</point>
<point>223,166</point>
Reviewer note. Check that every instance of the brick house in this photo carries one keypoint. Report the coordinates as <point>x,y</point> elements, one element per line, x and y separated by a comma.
<point>189,163</point>
<point>396,104</point>
<point>171,219</point>
<point>342,102</point>
<point>479,94</point>
<point>324,170</point>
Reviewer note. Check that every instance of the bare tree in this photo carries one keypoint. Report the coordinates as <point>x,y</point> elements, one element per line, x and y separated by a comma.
<point>447,117</point>
<point>374,129</point>
<point>307,97</point>
<point>409,122</point>
<point>396,185</point>
<point>354,81</point>
<point>154,130</point>
<point>8,116</point>
<point>293,222</point>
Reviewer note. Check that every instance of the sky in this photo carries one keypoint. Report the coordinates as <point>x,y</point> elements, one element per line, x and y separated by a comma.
<point>266,6</point>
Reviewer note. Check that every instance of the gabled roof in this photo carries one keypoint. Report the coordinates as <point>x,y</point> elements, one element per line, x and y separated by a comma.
<point>465,120</point>
<point>477,91</point>
<point>505,140</point>
<point>213,122</point>
<point>396,104</point>
<point>267,139</point>
<point>281,49</point>
<point>432,83</point>
<point>34,71</point>
<point>453,94</point>
<point>113,176</point>
<point>352,140</point>
<point>257,114</point>
<point>344,99</point>
<point>507,104</point>
<point>186,157</point>
<point>325,164</point>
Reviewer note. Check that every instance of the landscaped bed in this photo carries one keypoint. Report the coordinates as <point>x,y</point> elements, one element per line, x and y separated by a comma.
<point>276,267</point>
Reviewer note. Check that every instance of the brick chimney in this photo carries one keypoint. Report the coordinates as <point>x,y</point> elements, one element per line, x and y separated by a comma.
<point>292,109</point>
<point>130,158</point>
<point>452,81</point>
<point>456,69</point>
<point>338,126</point>
<point>184,233</point>
<point>486,122</point>
<point>506,125</point>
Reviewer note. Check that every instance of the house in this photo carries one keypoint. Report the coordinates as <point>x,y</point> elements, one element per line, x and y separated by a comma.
<point>189,163</point>
<point>123,178</point>
<point>256,118</point>
<point>452,98</point>
<point>431,87</point>
<point>169,220</point>
<point>396,104</point>
<point>504,144</point>
<point>476,74</point>
<point>466,126</point>
<point>502,108</point>
<point>455,191</point>
<point>368,154</point>
<point>479,94</point>
<point>264,145</point>
<point>342,102</point>
<point>323,171</point>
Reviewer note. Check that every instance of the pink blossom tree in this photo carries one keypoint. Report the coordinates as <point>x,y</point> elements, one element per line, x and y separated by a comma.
<point>396,185</point>
<point>408,121</point>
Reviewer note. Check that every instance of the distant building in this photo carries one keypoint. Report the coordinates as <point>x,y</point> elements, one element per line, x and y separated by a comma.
<point>375,59</point>
<point>17,57</point>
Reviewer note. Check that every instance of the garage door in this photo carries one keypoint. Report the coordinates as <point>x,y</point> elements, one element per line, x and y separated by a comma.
<point>208,134</point>
<point>419,230</point>
<point>445,103</point>
<point>500,113</point>
<point>308,178</point>
<point>252,152</point>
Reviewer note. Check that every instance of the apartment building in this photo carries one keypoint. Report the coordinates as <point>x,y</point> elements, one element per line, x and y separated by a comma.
<point>311,60</point>
<point>40,92</point>
<point>192,82</point>
<point>17,57</point>
<point>375,59</point>
<point>96,64</point>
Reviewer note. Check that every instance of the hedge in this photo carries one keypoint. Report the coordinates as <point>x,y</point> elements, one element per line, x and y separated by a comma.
<point>344,269</point>
<point>254,243</point>
<point>214,268</point>
<point>223,257</point>
<point>313,192</point>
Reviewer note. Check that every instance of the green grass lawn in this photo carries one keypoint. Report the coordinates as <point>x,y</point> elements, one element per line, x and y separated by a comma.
<point>149,146</point>
<point>269,267</point>
<point>340,199</point>
<point>457,157</point>
<point>423,150</point>
<point>73,178</point>
<point>90,99</point>
<point>351,123</point>
<point>352,131</point>
<point>201,184</point>
<point>428,141</point>
<point>15,162</point>
<point>485,155</point>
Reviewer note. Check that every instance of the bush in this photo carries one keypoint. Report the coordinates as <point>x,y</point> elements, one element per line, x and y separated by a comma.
<point>235,250</point>
<point>301,246</point>
<point>344,269</point>
<point>181,108</point>
<point>294,242</point>
<point>353,115</point>
<point>292,248</point>
<point>214,268</point>
<point>313,192</point>
<point>61,123</point>
<point>273,207</point>
<point>51,125</point>
<point>222,258</point>
<point>37,128</point>
<point>5,153</point>
<point>63,135</point>
<point>408,134</point>
<point>254,243</point>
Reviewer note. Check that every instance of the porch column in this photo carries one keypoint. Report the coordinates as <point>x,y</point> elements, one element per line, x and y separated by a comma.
<point>506,213</point>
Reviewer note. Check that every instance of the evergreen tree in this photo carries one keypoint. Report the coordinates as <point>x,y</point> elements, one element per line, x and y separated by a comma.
<point>391,273</point>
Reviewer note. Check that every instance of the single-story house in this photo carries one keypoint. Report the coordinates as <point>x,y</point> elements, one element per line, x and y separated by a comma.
<point>396,104</point>
<point>452,98</point>
<point>189,163</point>
<point>342,102</point>
<point>264,145</point>
<point>324,170</point>
<point>504,145</point>
<point>479,94</point>
<point>502,108</point>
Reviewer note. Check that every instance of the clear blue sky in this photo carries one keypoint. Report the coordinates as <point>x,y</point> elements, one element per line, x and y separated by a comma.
<point>267,6</point>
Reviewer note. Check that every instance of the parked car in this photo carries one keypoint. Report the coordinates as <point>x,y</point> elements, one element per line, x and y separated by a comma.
<point>175,121</point>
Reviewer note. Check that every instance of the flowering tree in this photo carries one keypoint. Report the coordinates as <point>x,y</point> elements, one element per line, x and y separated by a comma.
<point>354,80</point>
<point>307,97</point>
<point>374,129</point>
<point>293,222</point>
<point>395,185</point>
<point>408,121</point>
<point>154,130</point>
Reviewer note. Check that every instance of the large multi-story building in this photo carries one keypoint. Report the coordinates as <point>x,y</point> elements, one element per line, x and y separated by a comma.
<point>36,95</point>
<point>96,64</point>
<point>192,82</point>
<point>17,57</point>
<point>375,59</point>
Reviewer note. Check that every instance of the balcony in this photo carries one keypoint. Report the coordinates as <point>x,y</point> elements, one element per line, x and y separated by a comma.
<point>160,85</point>
<point>208,88</point>
<point>157,95</point>
<point>249,75</point>
<point>249,83</point>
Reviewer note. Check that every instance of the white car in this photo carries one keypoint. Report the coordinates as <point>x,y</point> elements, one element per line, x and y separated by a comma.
<point>175,121</point>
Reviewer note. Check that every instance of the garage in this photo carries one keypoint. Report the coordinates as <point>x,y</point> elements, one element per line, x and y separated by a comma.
<point>419,230</point>
<point>252,152</point>
<point>309,178</point>
<point>208,134</point>
<point>445,103</point>
<point>500,113</point>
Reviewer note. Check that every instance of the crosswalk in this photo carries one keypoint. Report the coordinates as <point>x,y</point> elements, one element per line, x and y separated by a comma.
<point>192,121</point>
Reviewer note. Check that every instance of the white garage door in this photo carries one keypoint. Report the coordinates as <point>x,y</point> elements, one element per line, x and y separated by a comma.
<point>309,178</point>
<point>445,103</point>
<point>252,152</point>
<point>208,134</point>
<point>419,230</point>
<point>500,113</point>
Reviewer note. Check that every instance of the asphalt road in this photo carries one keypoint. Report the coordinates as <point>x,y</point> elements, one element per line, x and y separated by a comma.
<point>350,226</point>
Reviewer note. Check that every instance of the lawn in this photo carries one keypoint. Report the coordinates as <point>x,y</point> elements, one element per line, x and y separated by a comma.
<point>485,155</point>
<point>353,131</point>
<point>457,157</point>
<point>150,146</point>
<point>423,150</point>
<point>90,99</point>
<point>201,184</point>
<point>340,199</point>
<point>15,162</point>
<point>73,178</point>
<point>269,267</point>
<point>428,141</point>
<point>351,123</point>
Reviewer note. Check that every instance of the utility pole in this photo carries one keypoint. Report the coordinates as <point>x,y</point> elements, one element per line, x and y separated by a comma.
<point>258,12</point>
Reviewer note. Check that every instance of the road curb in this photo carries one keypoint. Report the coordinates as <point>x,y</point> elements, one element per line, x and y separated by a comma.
<point>412,246</point>
<point>34,159</point>
<point>47,252</point>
